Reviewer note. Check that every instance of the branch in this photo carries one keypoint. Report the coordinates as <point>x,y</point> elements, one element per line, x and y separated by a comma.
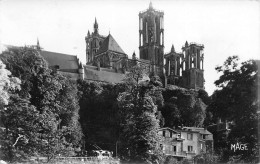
<point>20,136</point>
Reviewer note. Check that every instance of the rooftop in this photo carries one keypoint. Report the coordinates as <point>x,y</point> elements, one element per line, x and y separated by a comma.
<point>110,44</point>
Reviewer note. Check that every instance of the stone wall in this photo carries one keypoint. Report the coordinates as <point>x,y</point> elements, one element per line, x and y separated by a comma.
<point>104,74</point>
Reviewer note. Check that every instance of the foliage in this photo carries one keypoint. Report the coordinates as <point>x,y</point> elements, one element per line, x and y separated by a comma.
<point>139,125</point>
<point>206,158</point>
<point>171,160</point>
<point>44,112</point>
<point>7,84</point>
<point>184,107</point>
<point>99,113</point>
<point>236,101</point>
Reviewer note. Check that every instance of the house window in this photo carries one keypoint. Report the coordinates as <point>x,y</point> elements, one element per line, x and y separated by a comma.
<point>189,136</point>
<point>174,148</point>
<point>163,133</point>
<point>190,148</point>
<point>171,134</point>
<point>204,137</point>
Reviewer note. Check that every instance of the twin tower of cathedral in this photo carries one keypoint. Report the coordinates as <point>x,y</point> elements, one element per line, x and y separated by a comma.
<point>184,68</point>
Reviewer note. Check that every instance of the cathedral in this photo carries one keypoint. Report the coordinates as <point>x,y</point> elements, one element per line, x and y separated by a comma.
<point>106,61</point>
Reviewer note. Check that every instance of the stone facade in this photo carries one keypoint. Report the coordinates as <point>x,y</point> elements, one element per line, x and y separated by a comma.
<point>151,39</point>
<point>105,58</point>
<point>93,43</point>
<point>185,68</point>
<point>185,142</point>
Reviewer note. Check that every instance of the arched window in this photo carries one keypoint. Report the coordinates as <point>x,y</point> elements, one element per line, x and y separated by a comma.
<point>141,41</point>
<point>161,38</point>
<point>192,62</point>
<point>183,66</point>
<point>160,22</point>
<point>146,32</point>
<point>141,24</point>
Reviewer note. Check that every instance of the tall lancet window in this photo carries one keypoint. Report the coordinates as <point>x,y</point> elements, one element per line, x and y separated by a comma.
<point>146,32</point>
<point>141,24</point>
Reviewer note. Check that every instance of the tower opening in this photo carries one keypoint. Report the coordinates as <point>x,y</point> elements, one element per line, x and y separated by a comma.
<point>141,24</point>
<point>141,40</point>
<point>161,39</point>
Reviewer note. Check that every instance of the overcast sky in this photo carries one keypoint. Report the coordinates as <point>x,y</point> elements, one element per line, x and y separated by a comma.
<point>224,27</point>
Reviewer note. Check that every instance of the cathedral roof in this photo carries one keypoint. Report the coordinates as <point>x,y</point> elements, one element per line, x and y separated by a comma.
<point>110,44</point>
<point>68,63</point>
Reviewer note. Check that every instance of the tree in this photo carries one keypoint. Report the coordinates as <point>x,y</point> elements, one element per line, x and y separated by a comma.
<point>50,100</point>
<point>7,84</point>
<point>236,101</point>
<point>183,107</point>
<point>99,113</point>
<point>139,125</point>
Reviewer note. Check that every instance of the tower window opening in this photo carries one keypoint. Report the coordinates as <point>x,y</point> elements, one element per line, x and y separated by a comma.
<point>141,23</point>
<point>141,37</point>
<point>160,22</point>
<point>183,66</point>
<point>180,71</point>
<point>146,32</point>
<point>161,38</point>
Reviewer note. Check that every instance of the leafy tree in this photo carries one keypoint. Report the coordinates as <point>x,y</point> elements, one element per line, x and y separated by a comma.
<point>139,124</point>
<point>7,84</point>
<point>183,107</point>
<point>99,113</point>
<point>236,101</point>
<point>50,100</point>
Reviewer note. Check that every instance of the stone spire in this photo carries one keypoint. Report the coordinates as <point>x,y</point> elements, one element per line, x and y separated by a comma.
<point>186,44</point>
<point>88,33</point>
<point>38,47</point>
<point>95,26</point>
<point>134,56</point>
<point>172,49</point>
<point>150,5</point>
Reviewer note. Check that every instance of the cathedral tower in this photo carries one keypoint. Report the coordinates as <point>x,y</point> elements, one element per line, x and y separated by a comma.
<point>193,73</point>
<point>151,39</point>
<point>93,43</point>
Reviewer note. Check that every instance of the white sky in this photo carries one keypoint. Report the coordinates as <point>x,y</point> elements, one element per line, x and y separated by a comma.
<point>224,27</point>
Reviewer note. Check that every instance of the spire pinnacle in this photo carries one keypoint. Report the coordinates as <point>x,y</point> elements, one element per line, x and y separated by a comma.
<point>38,44</point>
<point>150,5</point>
<point>186,43</point>
<point>134,56</point>
<point>172,49</point>
<point>95,21</point>
<point>95,26</point>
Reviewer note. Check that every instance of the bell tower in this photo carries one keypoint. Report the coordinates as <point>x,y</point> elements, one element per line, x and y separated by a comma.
<point>93,42</point>
<point>151,38</point>
<point>193,71</point>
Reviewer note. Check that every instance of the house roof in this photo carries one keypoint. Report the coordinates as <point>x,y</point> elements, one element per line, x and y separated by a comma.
<point>195,129</point>
<point>167,128</point>
<point>110,44</point>
<point>64,61</point>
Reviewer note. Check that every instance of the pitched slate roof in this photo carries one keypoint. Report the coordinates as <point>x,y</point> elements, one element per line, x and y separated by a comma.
<point>110,44</point>
<point>195,129</point>
<point>68,63</point>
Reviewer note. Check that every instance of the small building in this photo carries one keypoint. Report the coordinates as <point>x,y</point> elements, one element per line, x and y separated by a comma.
<point>185,142</point>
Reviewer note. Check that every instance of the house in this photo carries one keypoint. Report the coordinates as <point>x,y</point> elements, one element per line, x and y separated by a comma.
<point>185,142</point>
